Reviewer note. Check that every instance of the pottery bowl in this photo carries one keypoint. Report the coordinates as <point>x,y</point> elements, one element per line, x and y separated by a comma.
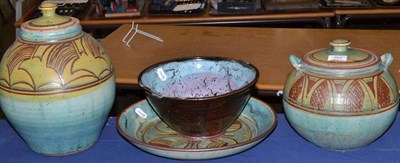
<point>199,97</point>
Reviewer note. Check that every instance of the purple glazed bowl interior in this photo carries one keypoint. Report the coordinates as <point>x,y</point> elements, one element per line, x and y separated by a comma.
<point>199,96</point>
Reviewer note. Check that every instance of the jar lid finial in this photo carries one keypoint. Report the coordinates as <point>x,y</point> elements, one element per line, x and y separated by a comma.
<point>50,17</point>
<point>340,45</point>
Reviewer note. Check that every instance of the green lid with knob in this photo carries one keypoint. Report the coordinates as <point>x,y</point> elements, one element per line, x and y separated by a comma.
<point>342,61</point>
<point>50,27</point>
<point>341,56</point>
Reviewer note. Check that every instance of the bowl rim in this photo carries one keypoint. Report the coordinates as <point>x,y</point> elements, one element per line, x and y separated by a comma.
<point>210,58</point>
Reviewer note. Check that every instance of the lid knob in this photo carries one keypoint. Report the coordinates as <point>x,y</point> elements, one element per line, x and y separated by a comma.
<point>340,45</point>
<point>48,8</point>
<point>49,15</point>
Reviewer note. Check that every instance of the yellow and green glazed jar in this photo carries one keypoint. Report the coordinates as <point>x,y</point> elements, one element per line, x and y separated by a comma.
<point>341,97</point>
<point>57,85</point>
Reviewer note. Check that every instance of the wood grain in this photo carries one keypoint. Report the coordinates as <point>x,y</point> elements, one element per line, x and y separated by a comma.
<point>267,48</point>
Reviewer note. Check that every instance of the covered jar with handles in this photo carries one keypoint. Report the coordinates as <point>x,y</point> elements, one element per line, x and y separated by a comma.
<point>341,97</point>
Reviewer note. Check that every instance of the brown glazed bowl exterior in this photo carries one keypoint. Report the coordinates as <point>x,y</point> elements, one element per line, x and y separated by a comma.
<point>207,116</point>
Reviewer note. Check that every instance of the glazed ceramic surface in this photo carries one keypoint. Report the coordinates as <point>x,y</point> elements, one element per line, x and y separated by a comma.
<point>57,85</point>
<point>199,97</point>
<point>140,125</point>
<point>341,98</point>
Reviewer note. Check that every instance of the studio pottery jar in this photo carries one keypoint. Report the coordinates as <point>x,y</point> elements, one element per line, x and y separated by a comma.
<point>341,98</point>
<point>57,85</point>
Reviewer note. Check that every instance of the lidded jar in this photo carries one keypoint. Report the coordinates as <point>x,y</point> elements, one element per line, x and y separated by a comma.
<point>341,97</point>
<point>57,84</point>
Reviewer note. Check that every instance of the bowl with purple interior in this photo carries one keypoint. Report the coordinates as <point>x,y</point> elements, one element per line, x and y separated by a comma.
<point>199,97</point>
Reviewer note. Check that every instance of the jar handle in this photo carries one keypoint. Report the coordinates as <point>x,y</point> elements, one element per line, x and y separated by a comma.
<point>387,60</point>
<point>296,62</point>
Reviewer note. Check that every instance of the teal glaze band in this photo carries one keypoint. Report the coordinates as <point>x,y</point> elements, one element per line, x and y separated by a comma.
<point>45,36</point>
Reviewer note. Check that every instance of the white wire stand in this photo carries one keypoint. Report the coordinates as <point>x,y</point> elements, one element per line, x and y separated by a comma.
<point>135,30</point>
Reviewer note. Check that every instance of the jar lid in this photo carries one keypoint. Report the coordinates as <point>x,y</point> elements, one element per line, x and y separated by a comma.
<point>341,59</point>
<point>50,26</point>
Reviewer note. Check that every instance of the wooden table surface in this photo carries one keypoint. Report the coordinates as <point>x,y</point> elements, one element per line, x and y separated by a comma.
<point>367,11</point>
<point>267,48</point>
